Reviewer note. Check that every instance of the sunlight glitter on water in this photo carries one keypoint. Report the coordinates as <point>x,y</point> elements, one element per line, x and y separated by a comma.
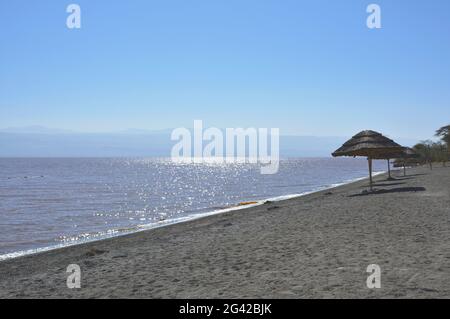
<point>48,202</point>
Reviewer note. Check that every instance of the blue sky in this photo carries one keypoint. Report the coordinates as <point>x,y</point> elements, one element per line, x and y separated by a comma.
<point>306,67</point>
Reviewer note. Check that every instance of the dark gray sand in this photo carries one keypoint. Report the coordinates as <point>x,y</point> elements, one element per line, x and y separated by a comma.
<point>317,246</point>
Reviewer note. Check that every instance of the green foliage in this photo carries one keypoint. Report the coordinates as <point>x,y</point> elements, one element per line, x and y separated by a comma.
<point>430,151</point>
<point>444,134</point>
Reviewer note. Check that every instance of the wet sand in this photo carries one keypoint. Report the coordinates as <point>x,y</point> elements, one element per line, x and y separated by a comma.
<point>316,246</point>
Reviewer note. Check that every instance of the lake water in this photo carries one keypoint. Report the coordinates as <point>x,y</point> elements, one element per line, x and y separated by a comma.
<point>53,202</point>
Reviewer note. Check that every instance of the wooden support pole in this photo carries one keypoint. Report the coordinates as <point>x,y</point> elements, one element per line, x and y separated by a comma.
<point>389,169</point>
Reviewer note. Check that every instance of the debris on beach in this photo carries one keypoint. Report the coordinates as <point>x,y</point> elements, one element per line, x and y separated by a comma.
<point>94,252</point>
<point>247,203</point>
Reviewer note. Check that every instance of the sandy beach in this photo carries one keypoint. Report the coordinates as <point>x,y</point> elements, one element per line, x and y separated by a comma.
<point>316,246</point>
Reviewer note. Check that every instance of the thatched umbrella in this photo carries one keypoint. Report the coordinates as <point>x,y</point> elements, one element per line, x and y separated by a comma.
<point>405,157</point>
<point>388,156</point>
<point>370,144</point>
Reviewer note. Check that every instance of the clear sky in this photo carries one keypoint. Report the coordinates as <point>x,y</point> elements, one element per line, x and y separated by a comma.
<point>307,67</point>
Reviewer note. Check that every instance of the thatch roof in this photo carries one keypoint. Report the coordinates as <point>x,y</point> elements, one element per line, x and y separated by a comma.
<point>371,144</point>
<point>405,153</point>
<point>406,162</point>
<point>408,156</point>
<point>409,153</point>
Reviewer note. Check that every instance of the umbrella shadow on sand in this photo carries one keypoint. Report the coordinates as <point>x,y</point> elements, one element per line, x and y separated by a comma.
<point>406,178</point>
<point>389,191</point>
<point>413,175</point>
<point>385,184</point>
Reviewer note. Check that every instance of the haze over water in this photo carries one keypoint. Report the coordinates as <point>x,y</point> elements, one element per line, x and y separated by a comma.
<point>49,202</point>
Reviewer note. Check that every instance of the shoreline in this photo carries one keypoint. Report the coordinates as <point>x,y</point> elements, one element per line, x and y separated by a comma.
<point>315,246</point>
<point>167,223</point>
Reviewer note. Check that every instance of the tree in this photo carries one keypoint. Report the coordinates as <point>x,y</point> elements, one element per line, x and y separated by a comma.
<point>444,134</point>
<point>440,153</point>
<point>424,149</point>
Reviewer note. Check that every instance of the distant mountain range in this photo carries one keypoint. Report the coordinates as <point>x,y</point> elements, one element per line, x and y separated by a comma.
<point>36,129</point>
<point>38,141</point>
